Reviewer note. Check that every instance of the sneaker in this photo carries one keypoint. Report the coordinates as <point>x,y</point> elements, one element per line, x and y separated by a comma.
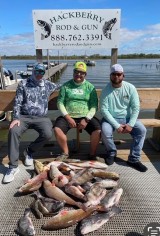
<point>9,176</point>
<point>138,166</point>
<point>28,158</point>
<point>62,157</point>
<point>95,158</point>
<point>109,160</point>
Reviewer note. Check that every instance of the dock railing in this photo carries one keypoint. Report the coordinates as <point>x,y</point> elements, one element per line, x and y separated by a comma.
<point>149,100</point>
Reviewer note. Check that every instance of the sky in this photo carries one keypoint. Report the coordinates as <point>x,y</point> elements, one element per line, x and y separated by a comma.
<point>139,24</point>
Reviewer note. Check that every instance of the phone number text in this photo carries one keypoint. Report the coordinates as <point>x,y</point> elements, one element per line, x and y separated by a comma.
<point>77,37</point>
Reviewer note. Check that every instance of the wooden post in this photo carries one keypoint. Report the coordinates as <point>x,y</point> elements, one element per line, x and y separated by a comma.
<point>39,55</point>
<point>114,55</point>
<point>156,131</point>
<point>48,63</point>
<point>2,76</point>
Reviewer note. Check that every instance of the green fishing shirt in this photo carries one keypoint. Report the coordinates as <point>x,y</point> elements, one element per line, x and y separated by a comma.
<point>78,100</point>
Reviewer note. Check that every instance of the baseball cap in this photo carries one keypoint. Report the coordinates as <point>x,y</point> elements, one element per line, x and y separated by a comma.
<point>39,66</point>
<point>80,66</point>
<point>116,68</point>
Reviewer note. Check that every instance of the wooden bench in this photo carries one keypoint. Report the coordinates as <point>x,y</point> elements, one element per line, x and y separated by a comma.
<point>149,100</point>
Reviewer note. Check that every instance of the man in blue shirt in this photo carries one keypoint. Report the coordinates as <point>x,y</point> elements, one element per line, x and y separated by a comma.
<point>30,111</point>
<point>119,105</point>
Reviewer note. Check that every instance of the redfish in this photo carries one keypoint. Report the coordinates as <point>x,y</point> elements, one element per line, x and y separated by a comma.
<point>67,218</point>
<point>105,174</point>
<point>57,177</point>
<point>54,192</point>
<point>87,164</point>
<point>34,183</point>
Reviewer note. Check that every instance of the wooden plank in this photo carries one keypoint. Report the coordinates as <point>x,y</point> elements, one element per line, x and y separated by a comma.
<point>150,122</point>
<point>7,100</point>
<point>149,98</point>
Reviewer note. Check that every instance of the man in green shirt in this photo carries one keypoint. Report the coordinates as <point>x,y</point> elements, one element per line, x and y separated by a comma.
<point>119,105</point>
<point>78,103</point>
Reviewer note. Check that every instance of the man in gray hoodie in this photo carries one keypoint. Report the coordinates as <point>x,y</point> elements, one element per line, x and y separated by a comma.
<point>30,111</point>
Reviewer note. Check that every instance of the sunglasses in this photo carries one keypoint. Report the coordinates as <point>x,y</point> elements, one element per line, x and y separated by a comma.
<point>117,74</point>
<point>39,72</point>
<point>79,72</point>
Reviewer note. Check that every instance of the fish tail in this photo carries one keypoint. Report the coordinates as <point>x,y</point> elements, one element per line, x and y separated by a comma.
<point>27,211</point>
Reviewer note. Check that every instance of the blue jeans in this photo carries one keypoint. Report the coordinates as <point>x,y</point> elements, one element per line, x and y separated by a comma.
<point>138,134</point>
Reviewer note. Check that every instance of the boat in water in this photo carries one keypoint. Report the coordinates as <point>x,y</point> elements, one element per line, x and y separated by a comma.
<point>28,72</point>
<point>90,63</point>
<point>6,78</point>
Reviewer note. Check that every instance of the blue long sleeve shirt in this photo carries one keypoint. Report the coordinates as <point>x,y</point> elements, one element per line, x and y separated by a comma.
<point>120,102</point>
<point>32,97</point>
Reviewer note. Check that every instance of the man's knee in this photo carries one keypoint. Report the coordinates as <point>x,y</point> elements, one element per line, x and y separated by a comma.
<point>143,130</point>
<point>57,130</point>
<point>47,134</point>
<point>15,130</point>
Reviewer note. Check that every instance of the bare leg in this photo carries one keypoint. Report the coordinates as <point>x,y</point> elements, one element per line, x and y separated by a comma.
<point>94,139</point>
<point>61,139</point>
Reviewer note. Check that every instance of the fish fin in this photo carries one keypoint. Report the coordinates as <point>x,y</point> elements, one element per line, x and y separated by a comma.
<point>116,209</point>
<point>42,36</point>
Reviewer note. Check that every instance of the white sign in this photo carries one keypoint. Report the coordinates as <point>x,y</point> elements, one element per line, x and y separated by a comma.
<point>71,29</point>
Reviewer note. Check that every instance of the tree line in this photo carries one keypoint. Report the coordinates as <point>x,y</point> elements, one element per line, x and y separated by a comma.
<point>75,57</point>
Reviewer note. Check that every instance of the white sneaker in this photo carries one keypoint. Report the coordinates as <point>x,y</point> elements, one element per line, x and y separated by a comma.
<point>28,158</point>
<point>9,176</point>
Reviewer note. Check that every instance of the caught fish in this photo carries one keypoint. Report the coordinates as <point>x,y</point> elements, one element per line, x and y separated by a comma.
<point>59,163</point>
<point>87,186</point>
<point>82,177</point>
<point>46,207</point>
<point>111,199</point>
<point>75,191</point>
<point>40,167</point>
<point>54,192</point>
<point>67,218</point>
<point>57,177</point>
<point>34,183</point>
<point>106,183</point>
<point>25,226</point>
<point>104,174</point>
<point>94,222</point>
<point>95,195</point>
<point>87,164</point>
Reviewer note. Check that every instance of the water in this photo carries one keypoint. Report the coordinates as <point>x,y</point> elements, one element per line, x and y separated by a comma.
<point>143,73</point>
<point>140,72</point>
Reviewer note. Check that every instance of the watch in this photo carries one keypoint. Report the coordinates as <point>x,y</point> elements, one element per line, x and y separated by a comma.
<point>87,120</point>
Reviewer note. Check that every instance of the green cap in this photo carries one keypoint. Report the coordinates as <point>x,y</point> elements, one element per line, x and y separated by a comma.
<point>80,66</point>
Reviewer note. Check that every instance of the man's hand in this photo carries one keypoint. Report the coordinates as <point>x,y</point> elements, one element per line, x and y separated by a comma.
<point>71,121</point>
<point>121,128</point>
<point>127,129</point>
<point>82,124</point>
<point>13,123</point>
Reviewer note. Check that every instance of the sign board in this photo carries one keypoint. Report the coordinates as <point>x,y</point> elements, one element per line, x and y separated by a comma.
<point>76,29</point>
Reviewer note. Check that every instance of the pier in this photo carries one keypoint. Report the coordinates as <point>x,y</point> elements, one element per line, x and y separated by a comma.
<point>140,200</point>
<point>50,74</point>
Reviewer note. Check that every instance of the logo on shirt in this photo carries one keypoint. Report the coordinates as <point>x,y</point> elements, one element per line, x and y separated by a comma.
<point>77,91</point>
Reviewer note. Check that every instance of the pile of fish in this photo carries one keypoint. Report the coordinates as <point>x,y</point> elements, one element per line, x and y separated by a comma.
<point>73,191</point>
